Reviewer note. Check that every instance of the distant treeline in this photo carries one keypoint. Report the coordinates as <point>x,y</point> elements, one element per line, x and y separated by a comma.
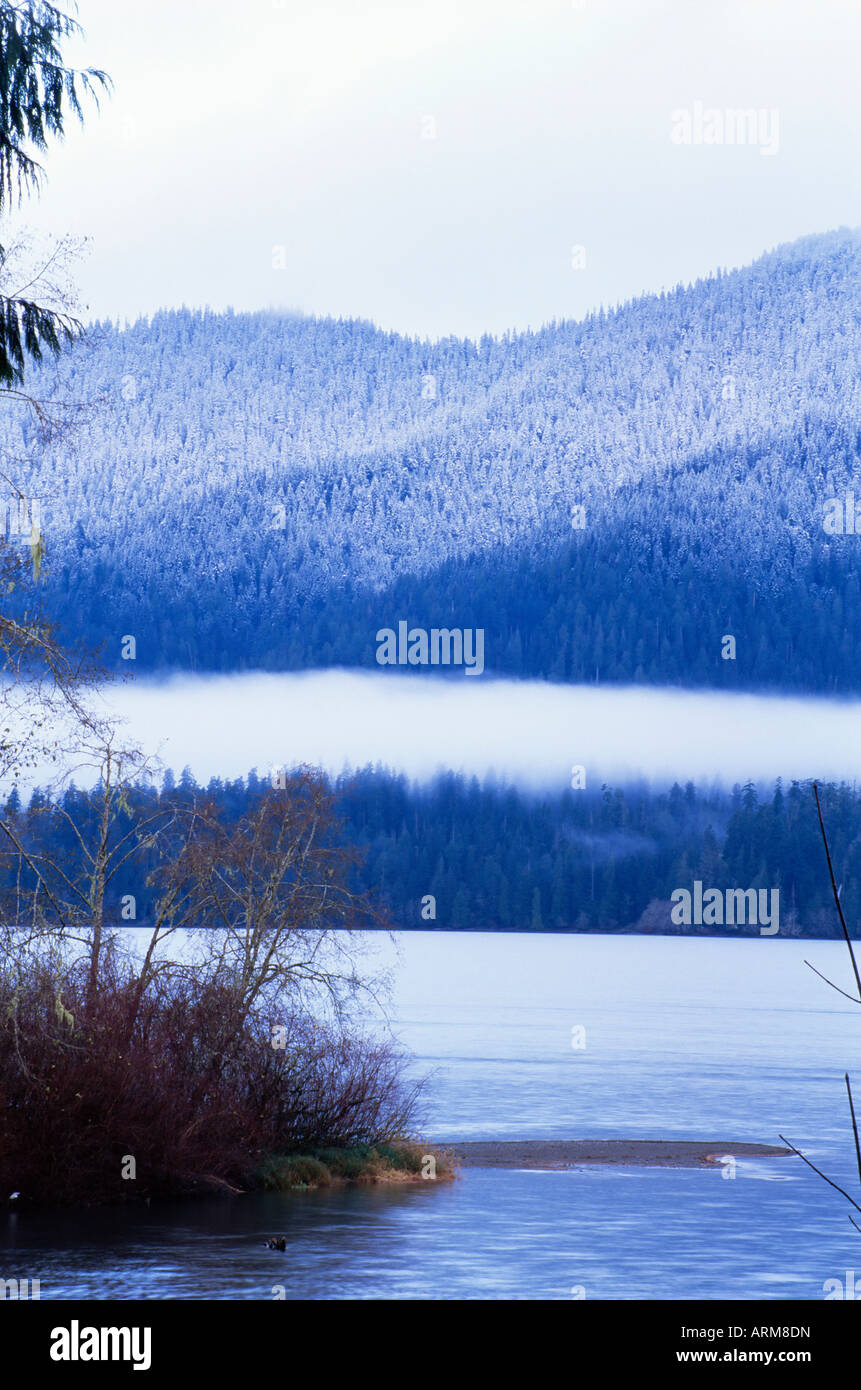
<point>456,854</point>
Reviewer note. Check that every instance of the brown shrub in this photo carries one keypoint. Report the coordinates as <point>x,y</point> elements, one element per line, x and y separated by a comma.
<point>186,1084</point>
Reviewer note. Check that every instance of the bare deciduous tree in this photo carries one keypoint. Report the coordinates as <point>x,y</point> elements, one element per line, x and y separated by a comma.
<point>270,901</point>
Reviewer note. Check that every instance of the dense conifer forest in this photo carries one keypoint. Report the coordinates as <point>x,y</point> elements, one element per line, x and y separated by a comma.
<point>607,499</point>
<point>493,857</point>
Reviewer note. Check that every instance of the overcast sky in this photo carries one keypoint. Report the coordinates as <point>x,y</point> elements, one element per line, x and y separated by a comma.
<point>431,164</point>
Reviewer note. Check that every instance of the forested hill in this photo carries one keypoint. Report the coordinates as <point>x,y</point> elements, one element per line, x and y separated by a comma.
<point>455,854</point>
<point>266,491</point>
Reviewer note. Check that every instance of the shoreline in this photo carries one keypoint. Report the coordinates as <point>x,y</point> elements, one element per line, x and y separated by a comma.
<point>406,1162</point>
<point>550,1154</point>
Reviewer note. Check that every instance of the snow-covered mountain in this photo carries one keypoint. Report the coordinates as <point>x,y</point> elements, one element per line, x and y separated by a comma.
<point>607,499</point>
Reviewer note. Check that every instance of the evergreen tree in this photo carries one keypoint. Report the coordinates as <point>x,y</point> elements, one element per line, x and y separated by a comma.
<point>37,91</point>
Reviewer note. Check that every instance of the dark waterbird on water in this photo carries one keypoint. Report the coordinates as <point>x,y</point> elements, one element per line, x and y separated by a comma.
<point>277,1243</point>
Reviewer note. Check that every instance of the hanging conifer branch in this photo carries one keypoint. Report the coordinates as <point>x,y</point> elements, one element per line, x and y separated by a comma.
<point>37,91</point>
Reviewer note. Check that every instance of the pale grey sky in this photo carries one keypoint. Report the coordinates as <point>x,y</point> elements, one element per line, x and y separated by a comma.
<point>431,164</point>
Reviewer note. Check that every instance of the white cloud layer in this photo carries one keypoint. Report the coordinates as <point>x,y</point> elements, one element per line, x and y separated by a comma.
<point>531,732</point>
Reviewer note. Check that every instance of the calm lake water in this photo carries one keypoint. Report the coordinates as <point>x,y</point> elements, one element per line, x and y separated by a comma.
<point>697,1038</point>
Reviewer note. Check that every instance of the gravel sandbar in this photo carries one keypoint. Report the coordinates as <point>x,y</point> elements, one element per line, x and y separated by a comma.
<point>570,1153</point>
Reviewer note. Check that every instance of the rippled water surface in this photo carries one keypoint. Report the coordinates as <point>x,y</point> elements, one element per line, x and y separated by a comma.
<point>701,1039</point>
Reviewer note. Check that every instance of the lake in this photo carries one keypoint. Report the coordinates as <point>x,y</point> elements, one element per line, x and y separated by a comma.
<point>699,1038</point>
